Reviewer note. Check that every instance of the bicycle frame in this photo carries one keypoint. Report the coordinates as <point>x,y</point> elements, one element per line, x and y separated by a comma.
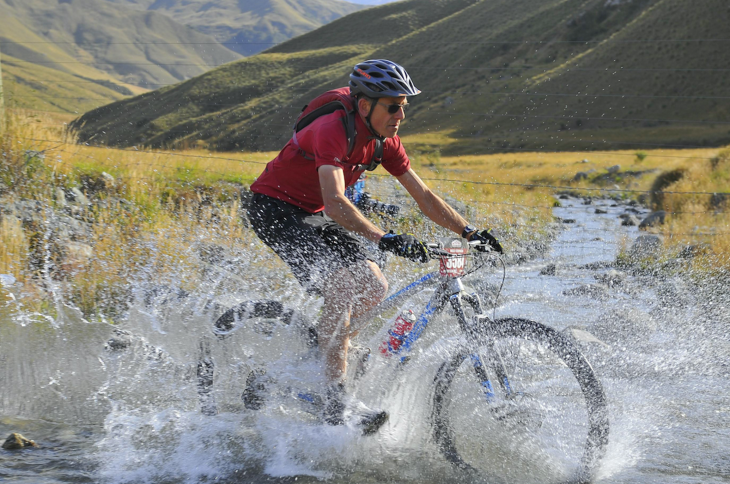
<point>449,290</point>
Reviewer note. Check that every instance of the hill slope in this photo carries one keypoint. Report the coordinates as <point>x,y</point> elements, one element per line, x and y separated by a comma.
<point>495,75</point>
<point>40,88</point>
<point>252,26</point>
<point>96,42</point>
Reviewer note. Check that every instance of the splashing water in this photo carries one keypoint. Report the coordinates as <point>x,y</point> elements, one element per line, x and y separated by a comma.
<point>119,404</point>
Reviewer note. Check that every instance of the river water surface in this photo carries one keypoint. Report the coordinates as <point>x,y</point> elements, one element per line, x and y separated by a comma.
<point>128,412</point>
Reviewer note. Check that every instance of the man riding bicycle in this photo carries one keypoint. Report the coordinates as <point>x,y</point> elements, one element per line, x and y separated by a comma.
<point>300,210</point>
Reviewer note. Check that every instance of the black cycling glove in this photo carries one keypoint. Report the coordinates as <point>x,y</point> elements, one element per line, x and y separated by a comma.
<point>404,245</point>
<point>486,238</point>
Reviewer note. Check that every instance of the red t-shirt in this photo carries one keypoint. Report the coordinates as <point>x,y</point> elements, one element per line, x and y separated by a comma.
<point>294,179</point>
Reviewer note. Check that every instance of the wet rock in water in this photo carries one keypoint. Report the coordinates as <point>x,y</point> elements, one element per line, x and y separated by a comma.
<point>645,245</point>
<point>692,251</point>
<point>549,270</point>
<point>564,197</point>
<point>595,291</point>
<point>123,341</point>
<point>629,220</point>
<point>611,278</point>
<point>596,266</point>
<point>568,220</point>
<point>119,341</point>
<point>600,210</point>
<point>653,219</point>
<point>588,201</point>
<point>16,441</point>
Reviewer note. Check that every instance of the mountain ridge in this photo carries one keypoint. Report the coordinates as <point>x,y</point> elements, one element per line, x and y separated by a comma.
<point>630,75</point>
<point>98,42</point>
<point>250,27</point>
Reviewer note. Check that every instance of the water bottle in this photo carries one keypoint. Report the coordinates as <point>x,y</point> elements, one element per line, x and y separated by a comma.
<point>401,327</point>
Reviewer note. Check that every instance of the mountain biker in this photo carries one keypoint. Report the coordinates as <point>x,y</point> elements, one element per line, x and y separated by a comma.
<point>300,210</point>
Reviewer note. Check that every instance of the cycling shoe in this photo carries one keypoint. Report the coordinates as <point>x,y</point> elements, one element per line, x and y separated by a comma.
<point>354,413</point>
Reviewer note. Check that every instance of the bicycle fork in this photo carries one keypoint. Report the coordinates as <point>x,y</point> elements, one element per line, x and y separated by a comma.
<point>474,331</point>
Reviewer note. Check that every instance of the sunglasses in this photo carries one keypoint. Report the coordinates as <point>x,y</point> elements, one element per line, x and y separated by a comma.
<point>394,108</point>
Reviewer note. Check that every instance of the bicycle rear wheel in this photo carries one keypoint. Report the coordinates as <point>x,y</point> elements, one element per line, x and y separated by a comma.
<point>548,421</point>
<point>251,335</point>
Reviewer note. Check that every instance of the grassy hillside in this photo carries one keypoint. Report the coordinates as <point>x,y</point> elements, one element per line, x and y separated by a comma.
<point>41,88</point>
<point>97,40</point>
<point>496,75</point>
<point>249,27</point>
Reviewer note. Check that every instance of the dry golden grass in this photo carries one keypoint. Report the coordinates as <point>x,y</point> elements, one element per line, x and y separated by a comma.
<point>692,219</point>
<point>162,203</point>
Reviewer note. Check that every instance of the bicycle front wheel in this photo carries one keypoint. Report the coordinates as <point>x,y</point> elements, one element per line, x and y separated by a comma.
<point>523,404</point>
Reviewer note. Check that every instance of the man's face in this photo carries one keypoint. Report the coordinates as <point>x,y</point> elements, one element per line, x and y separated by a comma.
<point>383,122</point>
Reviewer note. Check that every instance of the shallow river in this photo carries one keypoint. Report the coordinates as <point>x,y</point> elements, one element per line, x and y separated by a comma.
<point>132,416</point>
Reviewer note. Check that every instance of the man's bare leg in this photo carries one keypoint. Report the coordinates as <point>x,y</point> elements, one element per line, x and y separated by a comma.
<point>347,292</point>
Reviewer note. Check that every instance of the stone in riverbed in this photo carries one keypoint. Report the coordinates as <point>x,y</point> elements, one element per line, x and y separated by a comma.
<point>549,270</point>
<point>653,219</point>
<point>16,441</point>
<point>645,245</point>
<point>629,220</point>
<point>611,278</point>
<point>594,291</point>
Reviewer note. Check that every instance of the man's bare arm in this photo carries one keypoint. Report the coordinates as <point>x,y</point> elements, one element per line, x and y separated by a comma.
<point>339,208</point>
<point>431,204</point>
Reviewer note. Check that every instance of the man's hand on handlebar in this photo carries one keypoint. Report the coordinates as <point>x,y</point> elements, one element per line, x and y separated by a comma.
<point>404,245</point>
<point>488,239</point>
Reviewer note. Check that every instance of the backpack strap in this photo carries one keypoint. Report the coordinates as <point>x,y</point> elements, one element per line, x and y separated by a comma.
<point>348,122</point>
<point>377,155</point>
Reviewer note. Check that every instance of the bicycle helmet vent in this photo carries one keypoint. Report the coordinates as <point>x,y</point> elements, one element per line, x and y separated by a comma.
<point>381,78</point>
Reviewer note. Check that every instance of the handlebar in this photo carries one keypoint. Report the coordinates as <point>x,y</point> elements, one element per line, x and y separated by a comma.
<point>368,204</point>
<point>436,252</point>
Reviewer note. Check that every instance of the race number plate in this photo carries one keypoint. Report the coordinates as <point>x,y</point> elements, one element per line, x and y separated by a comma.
<point>454,264</point>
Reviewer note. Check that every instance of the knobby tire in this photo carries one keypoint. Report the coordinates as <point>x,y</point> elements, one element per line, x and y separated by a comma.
<point>562,347</point>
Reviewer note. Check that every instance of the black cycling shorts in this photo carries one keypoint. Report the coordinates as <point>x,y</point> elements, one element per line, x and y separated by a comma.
<point>312,244</point>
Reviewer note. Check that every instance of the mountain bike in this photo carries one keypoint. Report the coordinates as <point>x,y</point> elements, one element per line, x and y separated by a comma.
<point>506,386</point>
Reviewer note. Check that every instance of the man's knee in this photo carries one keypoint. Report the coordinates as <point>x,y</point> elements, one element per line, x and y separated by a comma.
<point>380,284</point>
<point>363,281</point>
<point>372,286</point>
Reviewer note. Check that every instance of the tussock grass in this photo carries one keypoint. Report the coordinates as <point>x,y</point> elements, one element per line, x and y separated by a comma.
<point>150,210</point>
<point>154,214</point>
<point>700,222</point>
